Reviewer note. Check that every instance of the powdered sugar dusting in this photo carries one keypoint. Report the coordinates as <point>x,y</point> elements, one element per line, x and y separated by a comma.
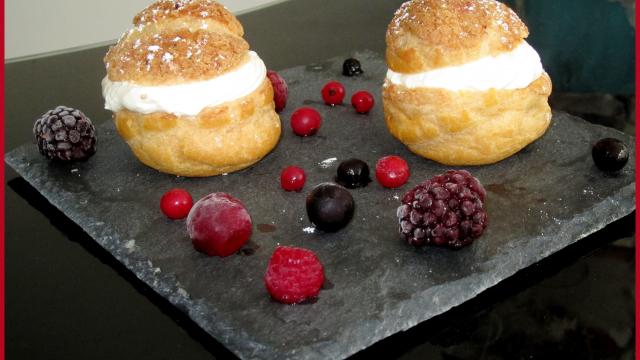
<point>309,230</point>
<point>413,11</point>
<point>167,57</point>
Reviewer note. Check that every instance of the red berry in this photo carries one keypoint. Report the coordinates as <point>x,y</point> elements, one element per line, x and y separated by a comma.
<point>219,224</point>
<point>306,121</point>
<point>362,101</point>
<point>280,90</point>
<point>292,178</point>
<point>293,275</point>
<point>333,93</point>
<point>392,171</point>
<point>176,203</point>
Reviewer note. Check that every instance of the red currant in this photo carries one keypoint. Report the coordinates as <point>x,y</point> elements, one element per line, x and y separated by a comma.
<point>306,121</point>
<point>280,90</point>
<point>333,93</point>
<point>292,178</point>
<point>362,101</point>
<point>176,203</point>
<point>392,171</point>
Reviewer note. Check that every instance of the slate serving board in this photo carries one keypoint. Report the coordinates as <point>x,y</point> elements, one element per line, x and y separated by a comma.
<point>548,196</point>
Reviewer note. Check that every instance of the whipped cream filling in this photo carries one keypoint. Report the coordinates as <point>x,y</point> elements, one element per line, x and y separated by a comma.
<point>185,99</point>
<point>513,70</point>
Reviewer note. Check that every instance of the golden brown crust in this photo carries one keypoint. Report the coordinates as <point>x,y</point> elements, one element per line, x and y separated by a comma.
<point>467,127</point>
<point>430,34</point>
<point>172,46</point>
<point>221,139</point>
<point>191,11</point>
<point>175,56</point>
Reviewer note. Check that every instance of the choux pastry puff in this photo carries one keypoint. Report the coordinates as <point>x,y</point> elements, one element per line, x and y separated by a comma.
<point>463,86</point>
<point>188,95</point>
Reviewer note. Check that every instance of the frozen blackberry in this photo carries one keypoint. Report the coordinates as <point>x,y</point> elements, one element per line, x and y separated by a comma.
<point>351,67</point>
<point>65,134</point>
<point>446,210</point>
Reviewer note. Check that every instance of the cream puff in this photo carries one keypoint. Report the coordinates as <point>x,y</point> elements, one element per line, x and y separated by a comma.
<point>188,95</point>
<point>463,86</point>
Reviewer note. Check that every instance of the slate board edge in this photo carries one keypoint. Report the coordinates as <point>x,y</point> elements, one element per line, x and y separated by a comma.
<point>626,195</point>
<point>169,288</point>
<point>143,270</point>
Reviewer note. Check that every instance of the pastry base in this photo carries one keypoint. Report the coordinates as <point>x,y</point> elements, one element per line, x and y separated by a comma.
<point>220,139</point>
<point>467,127</point>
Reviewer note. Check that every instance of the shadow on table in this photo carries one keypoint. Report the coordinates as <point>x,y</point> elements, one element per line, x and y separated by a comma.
<point>392,347</point>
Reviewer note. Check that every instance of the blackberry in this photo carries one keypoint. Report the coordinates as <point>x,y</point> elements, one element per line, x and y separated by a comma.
<point>351,67</point>
<point>65,134</point>
<point>446,210</point>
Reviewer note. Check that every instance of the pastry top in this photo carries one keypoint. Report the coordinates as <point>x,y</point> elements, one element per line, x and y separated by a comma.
<point>195,11</point>
<point>430,34</point>
<point>178,41</point>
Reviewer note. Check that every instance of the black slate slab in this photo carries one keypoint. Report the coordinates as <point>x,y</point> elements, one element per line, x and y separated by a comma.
<point>548,196</point>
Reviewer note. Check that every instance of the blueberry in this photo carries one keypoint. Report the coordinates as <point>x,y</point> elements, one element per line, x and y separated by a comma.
<point>330,207</point>
<point>353,173</point>
<point>610,155</point>
<point>351,67</point>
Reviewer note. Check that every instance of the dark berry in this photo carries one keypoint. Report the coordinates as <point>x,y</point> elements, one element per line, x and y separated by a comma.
<point>351,67</point>
<point>219,225</point>
<point>353,173</point>
<point>292,178</point>
<point>333,93</point>
<point>176,203</point>
<point>446,210</point>
<point>392,171</point>
<point>65,134</point>
<point>362,101</point>
<point>330,207</point>
<point>280,90</point>
<point>293,275</point>
<point>306,121</point>
<point>610,155</point>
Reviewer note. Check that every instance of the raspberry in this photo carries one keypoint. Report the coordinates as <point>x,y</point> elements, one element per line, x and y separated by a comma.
<point>280,90</point>
<point>65,134</point>
<point>293,275</point>
<point>446,210</point>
